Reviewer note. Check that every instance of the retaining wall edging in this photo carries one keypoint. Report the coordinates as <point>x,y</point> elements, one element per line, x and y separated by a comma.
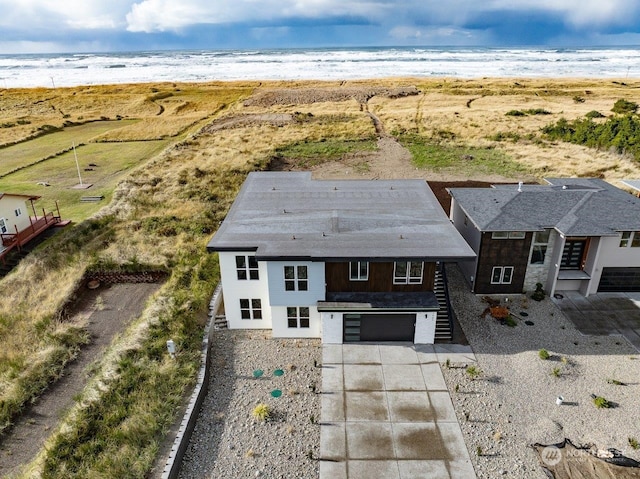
<point>174,461</point>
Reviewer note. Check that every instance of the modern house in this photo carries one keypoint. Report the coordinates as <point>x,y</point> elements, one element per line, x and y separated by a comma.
<point>342,260</point>
<point>17,227</point>
<point>574,234</point>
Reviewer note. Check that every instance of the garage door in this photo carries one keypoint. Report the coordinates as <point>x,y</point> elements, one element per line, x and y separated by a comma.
<point>620,280</point>
<point>379,327</point>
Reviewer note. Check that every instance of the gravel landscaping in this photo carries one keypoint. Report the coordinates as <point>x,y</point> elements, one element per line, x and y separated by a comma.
<point>228,441</point>
<point>512,403</point>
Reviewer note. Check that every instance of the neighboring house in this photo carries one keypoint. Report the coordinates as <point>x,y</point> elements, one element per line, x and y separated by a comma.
<point>575,234</point>
<point>17,227</point>
<point>344,260</point>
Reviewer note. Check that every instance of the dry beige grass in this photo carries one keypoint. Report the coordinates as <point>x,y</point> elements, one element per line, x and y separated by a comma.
<point>184,188</point>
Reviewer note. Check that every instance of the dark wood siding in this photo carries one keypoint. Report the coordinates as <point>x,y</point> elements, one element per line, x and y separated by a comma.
<point>502,252</point>
<point>380,279</point>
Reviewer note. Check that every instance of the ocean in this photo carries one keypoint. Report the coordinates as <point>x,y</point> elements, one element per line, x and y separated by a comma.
<point>51,70</point>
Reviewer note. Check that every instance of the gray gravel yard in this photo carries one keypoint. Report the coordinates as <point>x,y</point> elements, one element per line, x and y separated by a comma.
<point>228,442</point>
<point>512,404</point>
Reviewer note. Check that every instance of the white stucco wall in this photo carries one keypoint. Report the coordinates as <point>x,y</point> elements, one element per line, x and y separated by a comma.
<point>281,329</point>
<point>425,327</point>
<point>234,289</point>
<point>278,296</point>
<point>8,205</point>
<point>332,328</point>
<point>610,254</point>
<point>471,235</point>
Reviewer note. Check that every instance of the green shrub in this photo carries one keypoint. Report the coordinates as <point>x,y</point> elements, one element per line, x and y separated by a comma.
<point>262,412</point>
<point>544,354</point>
<point>473,371</point>
<point>578,99</point>
<point>620,133</point>
<point>537,111</point>
<point>556,372</point>
<point>594,114</point>
<point>633,442</point>
<point>601,403</point>
<point>538,294</point>
<point>515,113</point>
<point>623,106</point>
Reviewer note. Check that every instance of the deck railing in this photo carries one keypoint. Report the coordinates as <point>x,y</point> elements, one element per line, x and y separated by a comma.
<point>37,226</point>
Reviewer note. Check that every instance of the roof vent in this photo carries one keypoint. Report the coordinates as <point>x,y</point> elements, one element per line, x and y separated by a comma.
<point>284,212</point>
<point>519,186</point>
<point>401,237</point>
<point>335,188</point>
<point>564,187</point>
<point>293,237</point>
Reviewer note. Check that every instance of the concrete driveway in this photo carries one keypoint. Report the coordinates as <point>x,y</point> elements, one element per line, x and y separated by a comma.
<point>386,413</point>
<point>603,313</point>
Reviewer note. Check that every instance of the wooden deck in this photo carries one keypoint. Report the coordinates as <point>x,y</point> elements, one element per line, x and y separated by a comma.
<point>38,225</point>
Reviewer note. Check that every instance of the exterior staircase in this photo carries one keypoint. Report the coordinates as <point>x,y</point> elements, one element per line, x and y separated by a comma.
<point>444,319</point>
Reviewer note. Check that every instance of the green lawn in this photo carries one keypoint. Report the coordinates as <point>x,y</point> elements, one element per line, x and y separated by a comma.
<point>452,158</point>
<point>113,161</point>
<point>28,152</point>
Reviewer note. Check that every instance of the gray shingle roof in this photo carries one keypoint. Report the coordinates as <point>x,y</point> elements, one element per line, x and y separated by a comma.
<point>573,206</point>
<point>289,215</point>
<point>633,184</point>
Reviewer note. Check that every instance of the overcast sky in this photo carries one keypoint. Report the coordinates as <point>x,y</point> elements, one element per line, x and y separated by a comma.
<point>36,26</point>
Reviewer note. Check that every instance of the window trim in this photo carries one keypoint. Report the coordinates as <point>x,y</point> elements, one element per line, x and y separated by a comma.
<point>503,235</point>
<point>295,313</point>
<point>359,276</point>
<point>18,212</point>
<point>625,238</point>
<point>407,278</point>
<point>542,245</point>
<point>297,282</point>
<point>250,268</point>
<point>629,239</point>
<point>253,308</point>
<point>502,270</point>
<point>4,228</point>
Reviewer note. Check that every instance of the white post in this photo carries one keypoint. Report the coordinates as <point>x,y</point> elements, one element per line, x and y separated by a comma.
<point>77,164</point>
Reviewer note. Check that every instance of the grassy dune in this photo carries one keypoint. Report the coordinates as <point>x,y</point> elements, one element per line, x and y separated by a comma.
<point>170,175</point>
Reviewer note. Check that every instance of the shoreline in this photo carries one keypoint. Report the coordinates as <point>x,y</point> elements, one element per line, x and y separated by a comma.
<point>630,82</point>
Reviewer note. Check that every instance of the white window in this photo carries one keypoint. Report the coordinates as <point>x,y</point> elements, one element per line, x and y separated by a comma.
<point>539,248</point>
<point>18,211</point>
<point>297,317</point>
<point>3,226</point>
<point>501,274</point>
<point>359,270</point>
<point>295,278</point>
<point>251,309</point>
<point>408,272</point>
<point>508,235</point>
<point>630,238</point>
<point>247,267</point>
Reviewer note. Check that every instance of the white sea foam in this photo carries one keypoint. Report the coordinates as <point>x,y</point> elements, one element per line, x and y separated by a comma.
<point>324,64</point>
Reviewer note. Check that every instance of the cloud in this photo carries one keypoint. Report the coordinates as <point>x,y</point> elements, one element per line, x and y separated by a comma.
<point>169,15</point>
<point>67,14</point>
<point>141,24</point>
<point>165,15</point>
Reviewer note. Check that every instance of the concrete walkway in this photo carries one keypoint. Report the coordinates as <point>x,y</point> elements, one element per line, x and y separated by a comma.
<point>603,313</point>
<point>386,413</point>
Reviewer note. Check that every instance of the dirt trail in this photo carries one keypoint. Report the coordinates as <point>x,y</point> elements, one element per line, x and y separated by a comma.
<point>105,318</point>
<point>390,161</point>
